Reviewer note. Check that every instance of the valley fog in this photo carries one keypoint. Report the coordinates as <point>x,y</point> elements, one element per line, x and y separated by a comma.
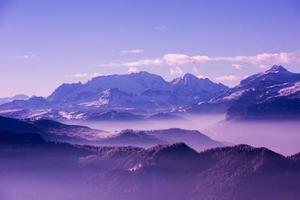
<point>280,136</point>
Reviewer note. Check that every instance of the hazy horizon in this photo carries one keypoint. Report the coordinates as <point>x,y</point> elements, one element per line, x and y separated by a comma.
<point>108,112</point>
<point>98,75</point>
<point>280,137</point>
<point>45,44</point>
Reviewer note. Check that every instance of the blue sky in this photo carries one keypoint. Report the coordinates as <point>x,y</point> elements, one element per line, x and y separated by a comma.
<point>45,43</point>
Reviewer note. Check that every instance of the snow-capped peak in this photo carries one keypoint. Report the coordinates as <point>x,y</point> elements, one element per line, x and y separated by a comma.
<point>276,69</point>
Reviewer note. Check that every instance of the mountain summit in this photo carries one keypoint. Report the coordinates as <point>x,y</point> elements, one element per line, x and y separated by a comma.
<point>277,68</point>
<point>271,94</point>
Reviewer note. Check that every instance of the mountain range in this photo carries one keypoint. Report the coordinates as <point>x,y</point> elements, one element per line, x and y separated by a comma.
<point>64,171</point>
<point>16,97</point>
<point>146,139</point>
<point>58,132</point>
<point>136,95</point>
<point>51,130</point>
<point>267,95</point>
<point>142,95</point>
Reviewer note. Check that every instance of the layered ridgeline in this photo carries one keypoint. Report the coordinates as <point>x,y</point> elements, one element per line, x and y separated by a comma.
<point>58,132</point>
<point>51,130</point>
<point>117,97</point>
<point>274,93</point>
<point>147,139</point>
<point>16,97</point>
<point>267,95</point>
<point>63,171</point>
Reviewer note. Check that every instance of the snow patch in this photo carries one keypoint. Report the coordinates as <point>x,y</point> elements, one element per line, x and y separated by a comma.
<point>71,115</point>
<point>290,90</point>
<point>39,113</point>
<point>236,95</point>
<point>136,167</point>
<point>103,100</point>
<point>9,111</point>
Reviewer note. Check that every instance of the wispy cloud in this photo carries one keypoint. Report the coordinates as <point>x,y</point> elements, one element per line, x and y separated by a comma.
<point>237,66</point>
<point>133,70</point>
<point>95,74</point>
<point>133,51</point>
<point>173,59</point>
<point>228,78</point>
<point>197,72</point>
<point>77,75</point>
<point>265,59</point>
<point>83,75</point>
<point>176,71</point>
<point>138,63</point>
<point>27,56</point>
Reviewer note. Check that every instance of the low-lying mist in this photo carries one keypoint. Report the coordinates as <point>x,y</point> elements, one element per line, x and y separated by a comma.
<point>280,136</point>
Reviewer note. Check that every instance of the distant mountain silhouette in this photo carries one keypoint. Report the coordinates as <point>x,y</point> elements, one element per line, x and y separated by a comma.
<point>50,130</point>
<point>16,97</point>
<point>55,131</point>
<point>146,139</point>
<point>12,138</point>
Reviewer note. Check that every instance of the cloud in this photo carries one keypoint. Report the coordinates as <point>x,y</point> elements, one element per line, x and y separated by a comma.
<point>132,70</point>
<point>173,59</point>
<point>228,78</point>
<point>84,75</point>
<point>179,59</point>
<point>27,56</point>
<point>133,51</point>
<point>237,66</point>
<point>264,58</point>
<point>95,74</point>
<point>79,75</point>
<point>259,59</point>
<point>148,62</point>
<point>197,73</point>
<point>176,71</point>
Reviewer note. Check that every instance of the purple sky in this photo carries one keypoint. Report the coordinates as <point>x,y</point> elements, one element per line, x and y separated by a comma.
<point>45,43</point>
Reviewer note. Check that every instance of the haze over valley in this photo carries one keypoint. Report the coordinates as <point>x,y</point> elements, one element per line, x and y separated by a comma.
<point>149,100</point>
<point>144,101</point>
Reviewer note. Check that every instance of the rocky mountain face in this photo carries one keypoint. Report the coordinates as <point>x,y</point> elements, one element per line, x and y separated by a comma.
<point>267,95</point>
<point>161,172</point>
<point>143,89</point>
<point>134,93</point>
